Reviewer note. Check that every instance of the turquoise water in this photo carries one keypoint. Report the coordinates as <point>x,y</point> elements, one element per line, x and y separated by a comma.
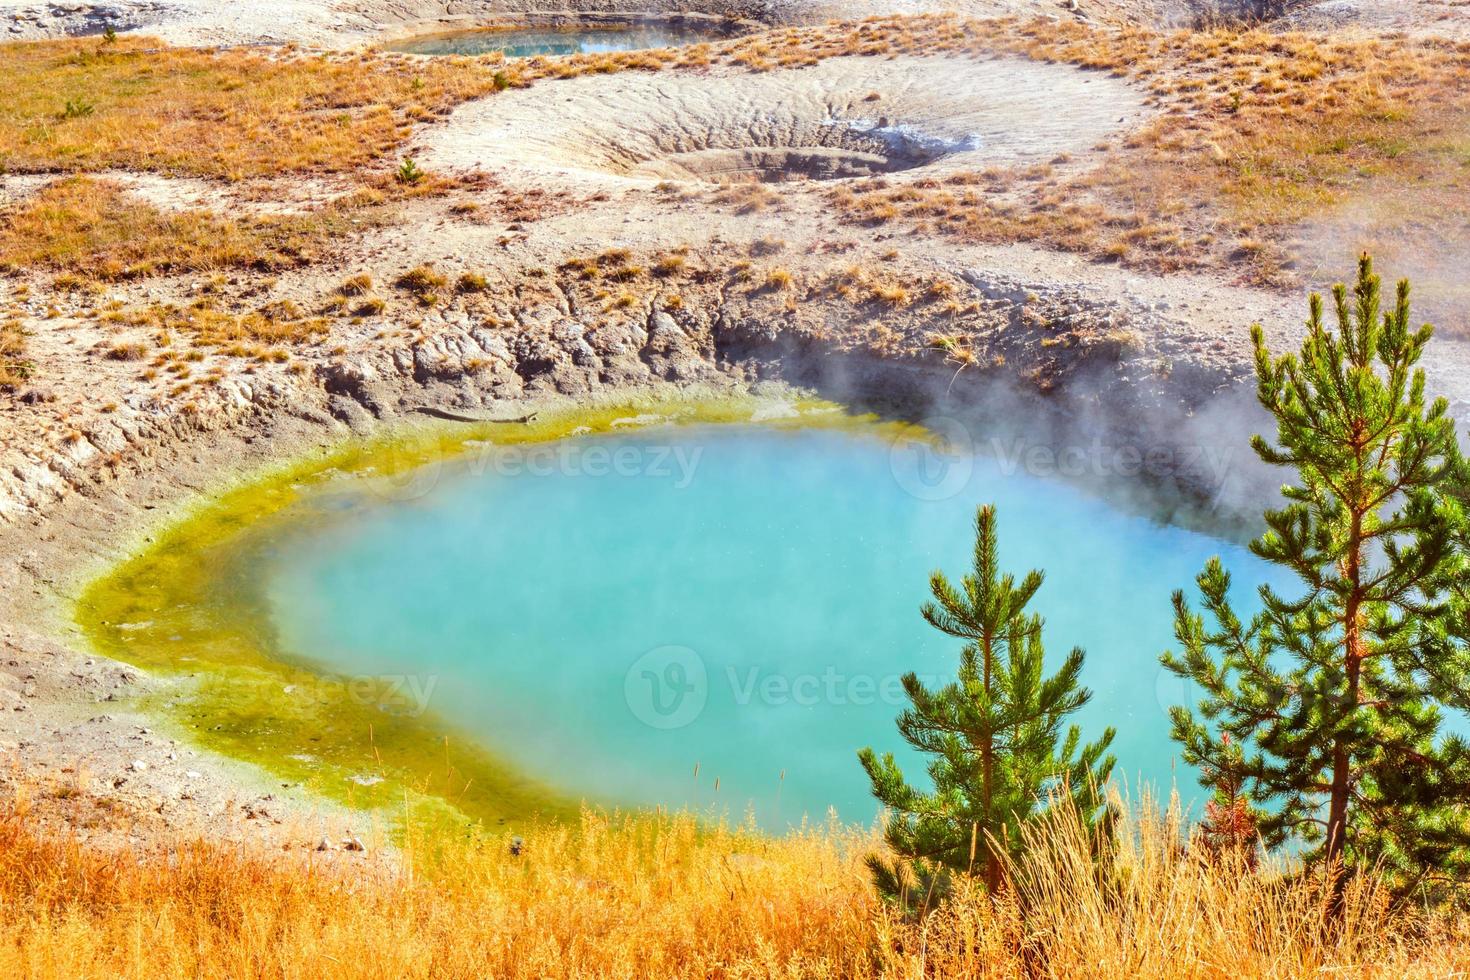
<point>636,617</point>
<point>557,43</point>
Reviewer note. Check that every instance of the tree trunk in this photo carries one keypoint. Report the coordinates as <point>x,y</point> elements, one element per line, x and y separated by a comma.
<point>1337,804</point>
<point>987,765</point>
<point>1337,827</point>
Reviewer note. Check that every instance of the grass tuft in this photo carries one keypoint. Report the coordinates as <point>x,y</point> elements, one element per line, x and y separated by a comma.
<point>15,368</point>
<point>422,280</point>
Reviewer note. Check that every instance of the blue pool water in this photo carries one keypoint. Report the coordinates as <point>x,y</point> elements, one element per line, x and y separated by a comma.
<point>638,616</point>
<point>550,42</point>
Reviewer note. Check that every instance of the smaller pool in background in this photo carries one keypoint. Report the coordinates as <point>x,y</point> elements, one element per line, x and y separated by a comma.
<point>559,41</point>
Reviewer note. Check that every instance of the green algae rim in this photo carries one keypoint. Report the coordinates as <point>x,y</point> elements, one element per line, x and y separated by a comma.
<point>185,608</point>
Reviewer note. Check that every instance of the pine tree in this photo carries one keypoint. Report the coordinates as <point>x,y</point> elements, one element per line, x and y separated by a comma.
<point>999,756</point>
<point>1337,694</point>
<point>1228,830</point>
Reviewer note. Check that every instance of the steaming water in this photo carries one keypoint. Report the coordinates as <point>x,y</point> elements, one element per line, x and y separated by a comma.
<point>556,43</point>
<point>736,599</point>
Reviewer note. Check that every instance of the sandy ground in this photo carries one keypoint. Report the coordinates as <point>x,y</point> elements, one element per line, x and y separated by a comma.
<point>346,23</point>
<point>1431,18</point>
<point>349,23</point>
<point>94,459</point>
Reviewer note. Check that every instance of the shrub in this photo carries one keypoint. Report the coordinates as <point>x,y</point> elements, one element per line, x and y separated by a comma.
<point>14,367</point>
<point>422,280</point>
<point>358,285</point>
<point>409,172</point>
<point>133,351</point>
<point>471,282</point>
<point>77,109</point>
<point>891,294</point>
<point>779,279</point>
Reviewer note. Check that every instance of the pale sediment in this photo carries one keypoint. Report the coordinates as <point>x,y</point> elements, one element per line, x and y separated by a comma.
<point>848,116</point>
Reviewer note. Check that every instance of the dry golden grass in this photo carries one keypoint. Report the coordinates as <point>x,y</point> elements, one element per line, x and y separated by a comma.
<point>422,280</point>
<point>746,197</point>
<point>670,265</point>
<point>1282,122</point>
<point>779,279</point>
<point>15,368</point>
<point>1256,132</point>
<point>1145,907</point>
<point>1266,131</point>
<point>651,896</point>
<point>93,228</point>
<point>237,334</point>
<point>665,896</point>
<point>358,285</point>
<point>471,282</point>
<point>140,105</point>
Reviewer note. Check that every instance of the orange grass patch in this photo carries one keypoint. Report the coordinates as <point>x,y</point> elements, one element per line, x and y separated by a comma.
<point>84,105</point>
<point>667,896</point>
<point>95,228</point>
<point>15,368</point>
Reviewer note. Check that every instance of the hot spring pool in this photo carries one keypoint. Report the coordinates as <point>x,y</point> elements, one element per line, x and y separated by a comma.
<point>718,615</point>
<point>558,42</point>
